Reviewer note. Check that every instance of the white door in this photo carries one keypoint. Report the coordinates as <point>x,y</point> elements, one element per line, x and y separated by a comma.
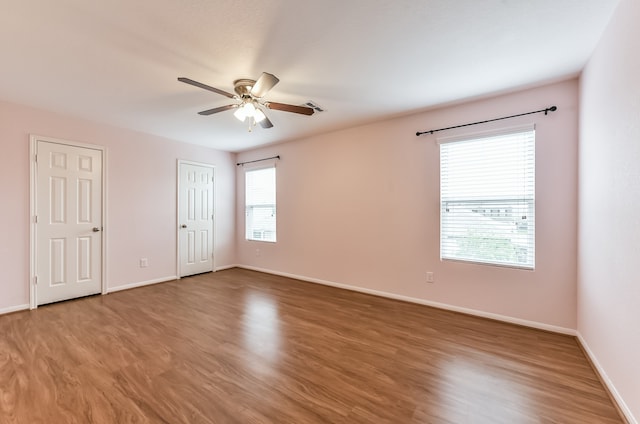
<point>68,222</point>
<point>195,219</point>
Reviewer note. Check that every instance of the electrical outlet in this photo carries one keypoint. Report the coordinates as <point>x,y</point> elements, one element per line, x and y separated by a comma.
<point>144,262</point>
<point>430,278</point>
<point>257,252</point>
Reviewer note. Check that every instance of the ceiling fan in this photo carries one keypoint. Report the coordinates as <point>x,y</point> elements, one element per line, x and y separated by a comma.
<point>250,93</point>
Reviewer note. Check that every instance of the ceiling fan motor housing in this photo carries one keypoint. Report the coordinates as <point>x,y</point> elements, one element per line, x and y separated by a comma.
<point>243,87</point>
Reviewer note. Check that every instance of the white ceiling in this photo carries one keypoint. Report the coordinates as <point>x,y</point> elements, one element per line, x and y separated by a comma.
<point>117,61</point>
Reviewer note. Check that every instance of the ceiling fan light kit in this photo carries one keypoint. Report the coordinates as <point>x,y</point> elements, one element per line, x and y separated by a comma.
<point>248,110</point>
<point>250,93</point>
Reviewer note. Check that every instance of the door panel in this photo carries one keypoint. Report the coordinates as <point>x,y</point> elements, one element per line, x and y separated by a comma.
<point>195,216</point>
<point>84,201</point>
<point>84,258</point>
<point>191,246</point>
<point>204,245</point>
<point>57,200</point>
<point>68,208</point>
<point>58,258</point>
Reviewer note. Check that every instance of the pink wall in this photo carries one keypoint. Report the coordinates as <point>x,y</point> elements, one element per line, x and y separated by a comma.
<point>609,229</point>
<point>360,207</point>
<point>141,198</point>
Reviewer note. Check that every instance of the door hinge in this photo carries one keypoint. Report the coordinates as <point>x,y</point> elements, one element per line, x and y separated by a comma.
<point>35,280</point>
<point>35,219</point>
<point>35,158</point>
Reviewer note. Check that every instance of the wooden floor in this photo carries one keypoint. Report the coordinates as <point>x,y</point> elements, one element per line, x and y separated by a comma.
<point>238,346</point>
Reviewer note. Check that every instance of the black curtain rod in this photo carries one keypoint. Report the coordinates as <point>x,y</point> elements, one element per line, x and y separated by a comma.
<point>546,111</point>
<point>258,160</point>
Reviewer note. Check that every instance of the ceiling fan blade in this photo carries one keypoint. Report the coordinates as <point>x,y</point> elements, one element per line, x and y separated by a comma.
<point>266,123</point>
<point>206,87</point>
<point>303,110</point>
<point>265,83</point>
<point>217,109</point>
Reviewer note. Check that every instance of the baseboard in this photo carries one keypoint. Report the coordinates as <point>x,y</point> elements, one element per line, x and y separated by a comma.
<point>222,268</point>
<point>14,309</point>
<point>474,312</point>
<point>141,284</point>
<point>617,399</point>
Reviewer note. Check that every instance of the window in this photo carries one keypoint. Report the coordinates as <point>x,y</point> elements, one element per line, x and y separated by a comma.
<point>260,204</point>
<point>487,198</point>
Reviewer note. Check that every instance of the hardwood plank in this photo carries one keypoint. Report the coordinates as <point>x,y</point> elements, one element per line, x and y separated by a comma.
<point>239,346</point>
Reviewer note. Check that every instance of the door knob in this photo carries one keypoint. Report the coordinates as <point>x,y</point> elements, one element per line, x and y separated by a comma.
<point>95,229</point>
<point>183,226</point>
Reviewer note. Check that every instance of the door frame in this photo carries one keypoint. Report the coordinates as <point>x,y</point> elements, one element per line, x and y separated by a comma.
<point>213,221</point>
<point>33,227</point>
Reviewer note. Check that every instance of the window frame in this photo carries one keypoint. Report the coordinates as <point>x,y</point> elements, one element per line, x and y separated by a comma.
<point>250,208</point>
<point>499,202</point>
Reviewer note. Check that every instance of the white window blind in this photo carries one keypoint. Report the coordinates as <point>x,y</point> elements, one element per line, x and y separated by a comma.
<point>487,193</point>
<point>260,204</point>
